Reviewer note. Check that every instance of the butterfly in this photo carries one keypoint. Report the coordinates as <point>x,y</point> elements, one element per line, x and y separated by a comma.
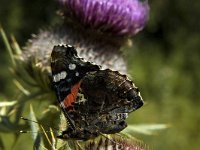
<point>93,101</point>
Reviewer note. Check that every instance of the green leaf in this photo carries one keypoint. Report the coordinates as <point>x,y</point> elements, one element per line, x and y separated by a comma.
<point>147,129</point>
<point>7,44</point>
<point>21,88</point>
<point>16,47</point>
<point>5,104</point>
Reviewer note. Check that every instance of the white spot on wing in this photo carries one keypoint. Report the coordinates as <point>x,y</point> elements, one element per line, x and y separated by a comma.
<point>125,115</point>
<point>72,66</point>
<point>77,74</point>
<point>56,78</point>
<point>59,76</point>
<point>63,75</point>
<point>69,46</point>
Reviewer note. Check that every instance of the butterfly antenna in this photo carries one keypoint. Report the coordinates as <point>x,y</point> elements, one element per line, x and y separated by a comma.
<point>26,119</point>
<point>45,134</point>
<point>22,131</point>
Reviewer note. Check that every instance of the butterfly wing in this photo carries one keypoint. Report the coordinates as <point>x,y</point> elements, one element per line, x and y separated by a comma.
<point>110,97</point>
<point>67,71</point>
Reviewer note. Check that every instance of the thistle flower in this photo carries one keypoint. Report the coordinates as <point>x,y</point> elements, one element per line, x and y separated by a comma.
<point>117,143</point>
<point>119,17</point>
<point>92,47</point>
<point>110,142</point>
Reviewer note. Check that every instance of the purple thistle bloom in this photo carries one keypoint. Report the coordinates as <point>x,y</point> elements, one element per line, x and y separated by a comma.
<point>120,17</point>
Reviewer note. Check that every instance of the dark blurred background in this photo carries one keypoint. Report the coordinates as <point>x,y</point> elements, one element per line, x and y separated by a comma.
<point>164,62</point>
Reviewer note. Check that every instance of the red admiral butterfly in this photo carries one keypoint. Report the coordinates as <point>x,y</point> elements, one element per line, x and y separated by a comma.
<point>93,101</point>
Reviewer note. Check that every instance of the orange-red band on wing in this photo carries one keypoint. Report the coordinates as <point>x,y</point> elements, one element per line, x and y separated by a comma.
<point>70,98</point>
